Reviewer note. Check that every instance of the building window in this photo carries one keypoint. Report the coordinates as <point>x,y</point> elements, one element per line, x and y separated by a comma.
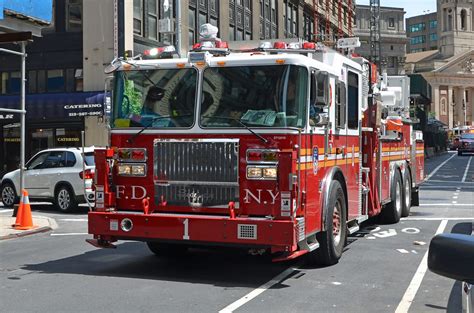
<point>138,17</point>
<point>55,81</point>
<point>418,39</point>
<point>240,20</point>
<point>152,13</point>
<point>308,27</point>
<point>201,13</point>
<point>268,19</point>
<point>290,13</point>
<point>31,82</point>
<point>463,19</point>
<point>416,27</point>
<point>434,37</point>
<point>391,22</point>
<point>74,16</point>
<point>433,24</point>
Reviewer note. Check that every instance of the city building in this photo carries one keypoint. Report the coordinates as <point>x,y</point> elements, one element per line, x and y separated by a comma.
<point>422,32</point>
<point>393,39</point>
<point>450,70</point>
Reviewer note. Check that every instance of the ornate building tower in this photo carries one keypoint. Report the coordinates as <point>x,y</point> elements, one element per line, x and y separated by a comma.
<point>455,26</point>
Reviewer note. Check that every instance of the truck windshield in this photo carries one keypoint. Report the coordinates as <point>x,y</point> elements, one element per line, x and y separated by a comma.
<point>142,96</point>
<point>258,96</point>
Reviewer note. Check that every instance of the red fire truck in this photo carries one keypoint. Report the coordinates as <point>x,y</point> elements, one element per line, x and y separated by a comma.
<point>283,149</point>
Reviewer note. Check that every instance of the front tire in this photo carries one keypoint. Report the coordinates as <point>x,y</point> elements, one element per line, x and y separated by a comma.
<point>65,199</point>
<point>392,212</point>
<point>406,193</point>
<point>333,239</point>
<point>8,195</point>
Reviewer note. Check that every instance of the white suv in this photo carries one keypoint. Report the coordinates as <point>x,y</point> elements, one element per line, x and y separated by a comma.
<point>53,175</point>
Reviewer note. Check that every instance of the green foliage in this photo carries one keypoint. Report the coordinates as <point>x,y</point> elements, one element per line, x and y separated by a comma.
<point>134,98</point>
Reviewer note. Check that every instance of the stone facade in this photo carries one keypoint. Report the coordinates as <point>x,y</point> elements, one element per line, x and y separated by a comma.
<point>393,37</point>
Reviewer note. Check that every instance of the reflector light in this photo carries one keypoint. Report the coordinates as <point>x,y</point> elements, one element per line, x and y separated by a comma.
<point>207,44</point>
<point>138,155</point>
<point>197,46</point>
<point>265,45</point>
<point>222,44</point>
<point>309,45</point>
<point>254,172</point>
<point>279,45</point>
<point>254,156</point>
<point>280,61</point>
<point>262,156</point>
<point>270,172</point>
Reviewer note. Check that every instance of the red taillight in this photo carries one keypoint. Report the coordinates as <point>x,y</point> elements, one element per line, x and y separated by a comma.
<point>279,45</point>
<point>87,174</point>
<point>254,156</point>
<point>138,155</point>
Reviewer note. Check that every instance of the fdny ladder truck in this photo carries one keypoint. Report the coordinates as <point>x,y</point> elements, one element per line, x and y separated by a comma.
<point>284,149</point>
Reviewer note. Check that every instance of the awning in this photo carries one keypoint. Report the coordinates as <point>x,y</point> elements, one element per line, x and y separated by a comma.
<point>54,105</point>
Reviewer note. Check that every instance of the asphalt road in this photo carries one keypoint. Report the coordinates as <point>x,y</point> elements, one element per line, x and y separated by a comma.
<point>382,269</point>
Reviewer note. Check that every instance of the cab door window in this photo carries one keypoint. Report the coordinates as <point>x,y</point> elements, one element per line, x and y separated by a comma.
<point>340,105</point>
<point>352,100</point>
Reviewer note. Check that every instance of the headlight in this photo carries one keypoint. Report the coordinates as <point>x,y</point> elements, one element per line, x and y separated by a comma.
<point>254,172</point>
<point>270,172</point>
<point>131,169</point>
<point>261,172</point>
<point>124,169</point>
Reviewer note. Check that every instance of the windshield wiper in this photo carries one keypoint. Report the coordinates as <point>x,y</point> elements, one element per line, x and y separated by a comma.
<point>156,118</point>
<point>241,123</point>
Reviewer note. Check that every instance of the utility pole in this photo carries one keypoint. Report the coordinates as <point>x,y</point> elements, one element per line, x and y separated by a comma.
<point>178,27</point>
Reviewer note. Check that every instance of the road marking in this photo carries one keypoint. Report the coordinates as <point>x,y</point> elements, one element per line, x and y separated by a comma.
<point>439,166</point>
<point>69,234</point>
<point>455,202</point>
<point>467,170</point>
<point>445,204</point>
<point>74,219</point>
<point>402,250</point>
<point>455,197</point>
<point>6,210</point>
<point>457,182</point>
<point>277,279</point>
<point>415,283</point>
<point>410,230</point>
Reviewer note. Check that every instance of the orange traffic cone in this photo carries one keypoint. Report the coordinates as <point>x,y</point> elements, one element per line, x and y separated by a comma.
<point>26,221</point>
<point>19,212</point>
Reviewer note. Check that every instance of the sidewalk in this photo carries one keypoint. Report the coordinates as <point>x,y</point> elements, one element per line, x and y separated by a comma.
<point>43,224</point>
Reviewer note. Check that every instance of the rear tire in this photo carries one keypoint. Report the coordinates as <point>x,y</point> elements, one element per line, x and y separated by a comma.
<point>8,195</point>
<point>64,199</point>
<point>166,249</point>
<point>406,193</point>
<point>392,212</point>
<point>332,240</point>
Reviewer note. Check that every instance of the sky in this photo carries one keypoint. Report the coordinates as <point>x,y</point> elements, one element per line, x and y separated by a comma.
<point>412,7</point>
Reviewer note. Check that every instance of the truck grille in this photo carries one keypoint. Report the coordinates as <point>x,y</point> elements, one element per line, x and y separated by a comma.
<point>196,173</point>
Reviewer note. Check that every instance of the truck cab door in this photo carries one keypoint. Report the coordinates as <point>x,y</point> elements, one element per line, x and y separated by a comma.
<point>354,92</point>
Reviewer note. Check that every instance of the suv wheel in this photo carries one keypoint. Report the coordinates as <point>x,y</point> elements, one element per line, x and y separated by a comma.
<point>8,195</point>
<point>64,199</point>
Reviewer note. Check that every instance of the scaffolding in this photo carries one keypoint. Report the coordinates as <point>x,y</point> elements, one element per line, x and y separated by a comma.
<point>374,40</point>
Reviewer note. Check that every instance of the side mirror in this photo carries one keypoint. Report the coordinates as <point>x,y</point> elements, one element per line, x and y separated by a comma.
<point>322,119</point>
<point>452,256</point>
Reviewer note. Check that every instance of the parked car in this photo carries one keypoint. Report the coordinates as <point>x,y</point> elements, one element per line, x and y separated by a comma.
<point>53,175</point>
<point>454,143</point>
<point>466,143</point>
<point>452,256</point>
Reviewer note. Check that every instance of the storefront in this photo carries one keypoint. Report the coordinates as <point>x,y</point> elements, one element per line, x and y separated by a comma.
<point>52,120</point>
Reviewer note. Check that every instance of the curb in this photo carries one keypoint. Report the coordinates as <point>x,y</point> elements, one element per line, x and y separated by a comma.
<point>42,229</point>
<point>27,233</point>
